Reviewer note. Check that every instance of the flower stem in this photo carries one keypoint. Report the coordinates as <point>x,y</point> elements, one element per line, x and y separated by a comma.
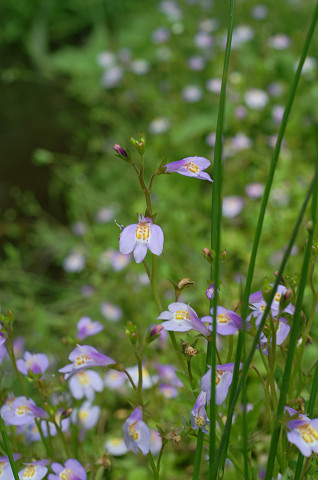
<point>8,450</point>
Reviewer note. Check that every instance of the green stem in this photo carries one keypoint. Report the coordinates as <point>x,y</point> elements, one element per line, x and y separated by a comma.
<point>154,283</point>
<point>8,450</point>
<point>153,466</point>
<point>62,438</point>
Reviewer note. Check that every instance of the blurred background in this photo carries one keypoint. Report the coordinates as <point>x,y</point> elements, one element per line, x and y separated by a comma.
<point>78,77</point>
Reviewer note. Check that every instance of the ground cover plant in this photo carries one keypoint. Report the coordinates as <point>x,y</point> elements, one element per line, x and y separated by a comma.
<point>136,318</point>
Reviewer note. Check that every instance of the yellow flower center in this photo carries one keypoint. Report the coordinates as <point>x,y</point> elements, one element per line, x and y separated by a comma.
<point>65,474</point>
<point>83,378</point>
<point>29,472</point>
<point>133,432</point>
<point>143,231</point>
<point>22,410</point>
<point>182,315</point>
<point>308,433</point>
<point>218,376</point>
<point>116,441</point>
<point>83,414</point>
<point>81,359</point>
<point>277,297</point>
<point>192,167</point>
<point>223,318</point>
<point>1,467</point>
<point>199,420</point>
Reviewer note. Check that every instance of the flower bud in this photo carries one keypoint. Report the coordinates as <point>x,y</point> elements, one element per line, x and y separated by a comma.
<point>155,331</point>
<point>120,150</point>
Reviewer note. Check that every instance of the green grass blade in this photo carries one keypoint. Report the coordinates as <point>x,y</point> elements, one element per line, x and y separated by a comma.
<point>250,273</point>
<point>8,450</point>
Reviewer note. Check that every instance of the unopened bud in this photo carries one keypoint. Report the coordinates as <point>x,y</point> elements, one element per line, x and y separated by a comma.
<point>285,299</point>
<point>207,252</point>
<point>156,331</point>
<point>223,255</point>
<point>120,150</point>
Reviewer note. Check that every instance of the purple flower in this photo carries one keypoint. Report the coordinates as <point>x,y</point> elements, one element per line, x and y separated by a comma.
<point>227,322</point>
<point>281,335</point>
<point>210,291</point>
<point>115,379</point>
<point>223,380</point>
<point>84,356</point>
<point>71,470</point>
<point>5,467</point>
<point>86,328</point>
<point>34,471</point>
<point>85,384</point>
<point>199,418</point>
<point>136,433</point>
<point>182,318</point>
<point>191,167</point>
<point>141,236</point>
<point>36,363</point>
<point>258,304</point>
<point>21,411</point>
<point>86,416</point>
<point>168,391</point>
<point>303,433</point>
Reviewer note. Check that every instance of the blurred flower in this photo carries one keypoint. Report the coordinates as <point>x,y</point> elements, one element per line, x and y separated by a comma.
<point>111,312</point>
<point>85,356</point>
<point>227,322</point>
<point>168,391</point>
<point>86,416</point>
<point>240,112</point>
<point>116,446</point>
<point>191,93</point>
<point>259,12</point>
<point>87,290</point>
<point>118,261</point>
<point>104,215</point>
<point>112,77</point>
<point>239,142</point>
<point>71,470</point>
<point>275,89</point>
<point>159,125</point>
<point>210,139</point>
<point>190,167</point>
<point>139,237</point>
<point>148,381</point>
<point>155,442</point>
<point>74,262</point>
<point>203,40</point>
<point>79,228</point>
<point>309,66</point>
<point>241,34</point>
<point>199,418</point>
<point>106,59</point>
<point>86,328</point>
<point>223,380</point>
<point>256,99</point>
<point>36,363</point>
<point>254,190</point>
<point>115,379</point>
<point>277,113</point>
<point>214,85</point>
<point>140,66</point>
<point>232,206</point>
<point>280,197</point>
<point>34,471</point>
<point>160,35</point>
<point>21,411</point>
<point>279,41</point>
<point>137,433</point>
<point>196,63</point>
<point>171,9</point>
<point>303,433</point>
<point>168,374</point>
<point>209,25</point>
<point>85,384</point>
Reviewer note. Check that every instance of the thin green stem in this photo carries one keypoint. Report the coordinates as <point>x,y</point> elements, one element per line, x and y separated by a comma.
<point>153,466</point>
<point>62,438</point>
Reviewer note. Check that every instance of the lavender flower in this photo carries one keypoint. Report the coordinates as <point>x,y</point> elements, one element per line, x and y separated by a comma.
<point>84,356</point>
<point>190,167</point>
<point>303,433</point>
<point>71,470</point>
<point>86,416</point>
<point>85,384</point>
<point>258,304</point>
<point>227,322</point>
<point>36,363</point>
<point>199,418</point>
<point>182,318</point>
<point>141,236</point>
<point>86,328</point>
<point>115,379</point>
<point>21,411</point>
<point>223,380</point>
<point>34,471</point>
<point>5,467</point>
<point>281,335</point>
<point>116,446</point>
<point>137,433</point>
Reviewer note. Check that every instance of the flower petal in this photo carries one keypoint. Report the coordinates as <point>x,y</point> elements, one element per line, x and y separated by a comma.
<point>156,240</point>
<point>127,240</point>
